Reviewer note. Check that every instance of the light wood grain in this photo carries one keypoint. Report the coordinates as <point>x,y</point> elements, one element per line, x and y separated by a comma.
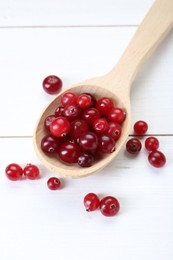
<point>115,84</point>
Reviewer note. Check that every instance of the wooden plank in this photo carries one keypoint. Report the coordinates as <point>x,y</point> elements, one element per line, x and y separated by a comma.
<point>32,214</point>
<point>76,54</point>
<point>73,13</point>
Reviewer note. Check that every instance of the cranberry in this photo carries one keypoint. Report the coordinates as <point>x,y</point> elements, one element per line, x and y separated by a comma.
<point>100,125</point>
<point>31,171</point>
<point>90,115</point>
<point>104,105</point>
<point>14,172</point>
<point>69,98</point>
<point>88,141</point>
<point>140,127</point>
<point>109,206</point>
<point>85,160</point>
<point>106,144</point>
<point>52,84</point>
<point>151,143</point>
<point>69,152</point>
<point>48,120</point>
<point>114,130</point>
<point>93,100</point>
<point>133,146</point>
<point>60,126</point>
<point>91,202</point>
<point>59,111</point>
<point>117,115</point>
<point>157,159</point>
<point>53,183</point>
<point>71,112</point>
<point>84,101</point>
<point>78,126</point>
<point>50,144</point>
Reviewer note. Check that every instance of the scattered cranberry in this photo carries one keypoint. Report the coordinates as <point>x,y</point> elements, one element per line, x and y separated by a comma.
<point>60,126</point>
<point>157,159</point>
<point>69,152</point>
<point>53,183</point>
<point>31,171</point>
<point>85,160</point>
<point>84,101</point>
<point>140,127</point>
<point>69,98</point>
<point>52,84</point>
<point>14,172</point>
<point>109,206</point>
<point>117,115</point>
<point>133,146</point>
<point>151,143</point>
<point>91,202</point>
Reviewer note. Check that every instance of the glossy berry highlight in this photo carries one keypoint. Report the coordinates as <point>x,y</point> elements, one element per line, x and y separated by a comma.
<point>91,202</point>
<point>52,84</point>
<point>109,206</point>
<point>14,172</point>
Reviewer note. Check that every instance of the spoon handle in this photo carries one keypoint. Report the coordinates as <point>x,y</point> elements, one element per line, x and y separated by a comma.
<point>153,29</point>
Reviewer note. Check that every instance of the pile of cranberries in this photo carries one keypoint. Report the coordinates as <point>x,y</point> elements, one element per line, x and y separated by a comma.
<point>109,205</point>
<point>156,158</point>
<point>81,127</point>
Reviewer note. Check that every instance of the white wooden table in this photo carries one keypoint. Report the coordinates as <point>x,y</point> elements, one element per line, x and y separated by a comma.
<point>77,40</point>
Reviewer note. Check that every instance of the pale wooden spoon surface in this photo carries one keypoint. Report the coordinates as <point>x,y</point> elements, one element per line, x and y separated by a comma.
<point>115,84</point>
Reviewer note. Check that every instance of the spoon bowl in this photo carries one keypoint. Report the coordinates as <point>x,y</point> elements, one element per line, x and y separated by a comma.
<point>116,85</point>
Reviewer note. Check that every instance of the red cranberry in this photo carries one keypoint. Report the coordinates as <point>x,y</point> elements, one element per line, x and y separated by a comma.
<point>71,112</point>
<point>78,126</point>
<point>91,202</point>
<point>117,115</point>
<point>93,100</point>
<point>50,144</point>
<point>104,105</point>
<point>53,183</point>
<point>90,115</point>
<point>60,126</point>
<point>31,171</point>
<point>114,130</point>
<point>140,127</point>
<point>157,159</point>
<point>69,152</point>
<point>109,206</point>
<point>151,143</point>
<point>52,84</point>
<point>100,125</point>
<point>85,160</point>
<point>106,144</point>
<point>14,172</point>
<point>133,146</point>
<point>69,98</point>
<point>48,120</point>
<point>88,141</point>
<point>84,101</point>
<point>59,111</point>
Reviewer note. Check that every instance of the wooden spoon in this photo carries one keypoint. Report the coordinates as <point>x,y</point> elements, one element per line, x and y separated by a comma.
<point>115,84</point>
